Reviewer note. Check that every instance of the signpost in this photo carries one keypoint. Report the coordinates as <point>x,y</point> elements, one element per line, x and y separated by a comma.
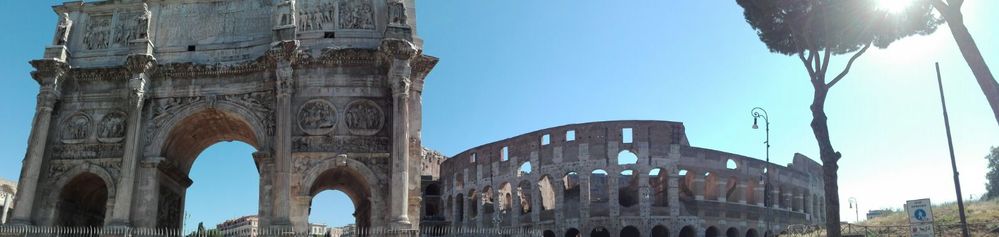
<point>920,217</point>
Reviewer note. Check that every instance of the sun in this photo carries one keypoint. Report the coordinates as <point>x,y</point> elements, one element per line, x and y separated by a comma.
<point>894,6</point>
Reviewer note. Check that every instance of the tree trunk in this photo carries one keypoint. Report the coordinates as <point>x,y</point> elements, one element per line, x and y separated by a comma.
<point>829,157</point>
<point>972,55</point>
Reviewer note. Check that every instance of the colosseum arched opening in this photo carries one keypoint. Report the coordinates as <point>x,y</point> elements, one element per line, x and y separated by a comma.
<point>600,232</point>
<point>630,231</point>
<point>660,231</point>
<point>732,232</point>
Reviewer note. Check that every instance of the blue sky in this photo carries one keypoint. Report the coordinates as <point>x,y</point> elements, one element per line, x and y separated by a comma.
<point>510,67</point>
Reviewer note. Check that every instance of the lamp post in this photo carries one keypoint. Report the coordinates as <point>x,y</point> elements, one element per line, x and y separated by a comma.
<point>856,209</point>
<point>757,114</point>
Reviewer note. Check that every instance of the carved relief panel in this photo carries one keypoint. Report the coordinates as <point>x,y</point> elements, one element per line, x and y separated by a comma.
<point>317,117</point>
<point>356,14</point>
<point>76,129</point>
<point>83,138</point>
<point>364,117</point>
<point>112,128</point>
<point>98,35</point>
<point>341,126</point>
<point>316,15</point>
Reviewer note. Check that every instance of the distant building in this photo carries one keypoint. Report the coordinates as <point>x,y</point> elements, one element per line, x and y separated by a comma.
<point>7,190</point>
<point>877,213</point>
<point>318,229</point>
<point>240,227</point>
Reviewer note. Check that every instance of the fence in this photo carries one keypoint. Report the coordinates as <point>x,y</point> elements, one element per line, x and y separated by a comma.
<point>59,231</point>
<point>939,229</point>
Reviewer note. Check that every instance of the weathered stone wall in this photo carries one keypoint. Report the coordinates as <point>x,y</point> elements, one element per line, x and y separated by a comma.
<point>327,91</point>
<point>578,177</point>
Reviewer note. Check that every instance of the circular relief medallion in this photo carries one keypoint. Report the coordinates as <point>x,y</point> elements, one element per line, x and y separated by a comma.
<point>112,128</point>
<point>364,117</point>
<point>317,117</point>
<point>76,129</point>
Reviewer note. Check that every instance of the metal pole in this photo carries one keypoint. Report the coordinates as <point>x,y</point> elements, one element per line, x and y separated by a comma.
<point>953,162</point>
<point>766,185</point>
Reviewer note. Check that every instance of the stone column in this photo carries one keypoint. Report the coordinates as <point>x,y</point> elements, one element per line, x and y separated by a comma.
<point>147,206</point>
<point>758,191</point>
<point>722,190</point>
<point>139,65</point>
<point>49,75</point>
<point>515,208</point>
<point>584,196</point>
<point>559,187</point>
<point>265,167</point>
<point>400,53</point>
<point>673,193</point>
<point>740,193</point>
<point>6,200</point>
<point>613,206</point>
<point>644,195</point>
<point>536,204</point>
<point>284,87</point>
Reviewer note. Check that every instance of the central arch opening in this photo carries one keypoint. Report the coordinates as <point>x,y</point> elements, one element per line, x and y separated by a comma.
<point>189,196</point>
<point>332,208</point>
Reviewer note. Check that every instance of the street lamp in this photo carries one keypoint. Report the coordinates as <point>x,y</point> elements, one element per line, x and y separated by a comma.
<point>757,114</point>
<point>856,209</point>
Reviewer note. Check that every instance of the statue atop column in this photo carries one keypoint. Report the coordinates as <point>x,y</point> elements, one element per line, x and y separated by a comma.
<point>62,30</point>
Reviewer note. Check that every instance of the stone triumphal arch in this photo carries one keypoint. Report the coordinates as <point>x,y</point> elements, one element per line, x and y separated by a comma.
<point>131,92</point>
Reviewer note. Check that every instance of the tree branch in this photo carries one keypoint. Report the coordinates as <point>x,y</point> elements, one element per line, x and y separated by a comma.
<point>941,7</point>
<point>825,64</point>
<point>848,65</point>
<point>808,64</point>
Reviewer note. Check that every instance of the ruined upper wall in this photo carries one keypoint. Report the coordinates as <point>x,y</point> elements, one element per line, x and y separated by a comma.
<point>100,34</point>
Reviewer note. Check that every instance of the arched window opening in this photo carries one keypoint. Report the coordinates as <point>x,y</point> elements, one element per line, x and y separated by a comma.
<point>626,157</point>
<point>711,232</point>
<point>711,184</point>
<point>488,204</point>
<point>730,164</point>
<point>525,169</point>
<point>628,189</point>
<point>459,205</point>
<point>630,231</point>
<point>659,185</point>
<point>572,232</point>
<point>506,197</point>
<point>752,233</point>
<point>473,201</point>
<point>524,192</point>
<point>731,189</point>
<point>688,231</point>
<point>547,193</point>
<point>732,232</point>
<point>599,232</point>
<point>660,231</point>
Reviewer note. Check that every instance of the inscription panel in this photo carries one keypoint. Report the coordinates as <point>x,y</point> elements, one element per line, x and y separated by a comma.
<point>217,22</point>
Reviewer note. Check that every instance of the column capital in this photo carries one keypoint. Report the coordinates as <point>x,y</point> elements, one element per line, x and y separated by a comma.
<point>140,63</point>
<point>49,72</point>
<point>398,49</point>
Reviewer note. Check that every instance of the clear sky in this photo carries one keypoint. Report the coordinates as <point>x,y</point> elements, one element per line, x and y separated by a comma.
<point>510,67</point>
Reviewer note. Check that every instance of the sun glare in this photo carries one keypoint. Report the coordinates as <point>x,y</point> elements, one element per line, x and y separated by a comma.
<point>894,6</point>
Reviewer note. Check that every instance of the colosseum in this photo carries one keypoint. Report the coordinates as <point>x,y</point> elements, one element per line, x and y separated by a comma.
<point>620,179</point>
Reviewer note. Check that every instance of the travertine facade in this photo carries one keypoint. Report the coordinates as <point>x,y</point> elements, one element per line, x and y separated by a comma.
<point>327,91</point>
<point>622,178</point>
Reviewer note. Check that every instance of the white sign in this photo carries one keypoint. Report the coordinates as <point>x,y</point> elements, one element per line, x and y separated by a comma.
<point>920,217</point>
